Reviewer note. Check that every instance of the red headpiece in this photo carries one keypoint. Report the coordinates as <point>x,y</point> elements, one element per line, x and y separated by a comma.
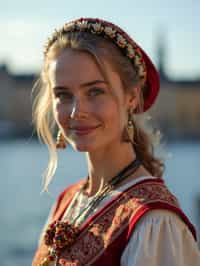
<point>128,46</point>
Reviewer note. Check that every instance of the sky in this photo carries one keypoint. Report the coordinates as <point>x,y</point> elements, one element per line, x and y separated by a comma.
<point>25,26</point>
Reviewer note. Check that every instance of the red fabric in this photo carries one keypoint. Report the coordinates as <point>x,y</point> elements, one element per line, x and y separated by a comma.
<point>105,235</point>
<point>152,82</point>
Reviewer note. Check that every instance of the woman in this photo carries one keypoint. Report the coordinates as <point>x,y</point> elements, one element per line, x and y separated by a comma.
<point>95,82</point>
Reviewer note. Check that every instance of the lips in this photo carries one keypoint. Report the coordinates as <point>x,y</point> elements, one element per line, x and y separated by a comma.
<point>83,130</point>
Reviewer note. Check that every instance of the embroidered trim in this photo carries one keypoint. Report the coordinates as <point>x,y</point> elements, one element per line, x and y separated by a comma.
<point>112,221</point>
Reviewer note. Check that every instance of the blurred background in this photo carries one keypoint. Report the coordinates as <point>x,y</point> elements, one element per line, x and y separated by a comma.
<point>167,31</point>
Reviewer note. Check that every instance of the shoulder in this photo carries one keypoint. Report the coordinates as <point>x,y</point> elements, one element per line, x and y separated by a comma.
<point>161,238</point>
<point>160,223</point>
<point>161,220</point>
<point>153,194</point>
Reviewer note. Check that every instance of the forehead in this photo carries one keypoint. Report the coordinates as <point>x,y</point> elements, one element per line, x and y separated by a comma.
<point>73,68</point>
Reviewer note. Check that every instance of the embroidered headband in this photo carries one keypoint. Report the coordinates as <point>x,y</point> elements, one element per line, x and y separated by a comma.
<point>143,64</point>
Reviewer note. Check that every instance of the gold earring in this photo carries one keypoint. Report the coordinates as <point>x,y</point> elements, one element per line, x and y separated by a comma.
<point>60,141</point>
<point>130,127</point>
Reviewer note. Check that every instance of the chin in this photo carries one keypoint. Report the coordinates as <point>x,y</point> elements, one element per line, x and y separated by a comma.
<point>83,147</point>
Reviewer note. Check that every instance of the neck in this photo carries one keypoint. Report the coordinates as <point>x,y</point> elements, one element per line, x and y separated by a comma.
<point>105,164</point>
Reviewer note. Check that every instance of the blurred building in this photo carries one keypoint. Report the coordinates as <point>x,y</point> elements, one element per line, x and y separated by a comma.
<point>176,111</point>
<point>15,102</point>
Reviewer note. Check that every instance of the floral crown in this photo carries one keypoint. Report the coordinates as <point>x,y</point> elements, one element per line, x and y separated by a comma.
<point>126,44</point>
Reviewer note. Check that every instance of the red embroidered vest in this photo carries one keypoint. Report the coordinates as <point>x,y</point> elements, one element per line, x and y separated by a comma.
<point>105,235</point>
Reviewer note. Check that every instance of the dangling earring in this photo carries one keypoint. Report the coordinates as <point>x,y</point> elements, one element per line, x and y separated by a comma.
<point>60,141</point>
<point>130,127</point>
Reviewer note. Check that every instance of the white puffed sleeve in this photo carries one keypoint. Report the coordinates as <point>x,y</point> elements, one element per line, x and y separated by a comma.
<point>161,238</point>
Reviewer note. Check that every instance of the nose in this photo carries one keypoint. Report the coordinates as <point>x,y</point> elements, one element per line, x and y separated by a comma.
<point>77,110</point>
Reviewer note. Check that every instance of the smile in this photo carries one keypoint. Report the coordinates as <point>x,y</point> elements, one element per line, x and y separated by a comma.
<point>83,131</point>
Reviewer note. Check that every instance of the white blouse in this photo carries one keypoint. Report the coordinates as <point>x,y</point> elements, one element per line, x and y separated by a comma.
<point>160,238</point>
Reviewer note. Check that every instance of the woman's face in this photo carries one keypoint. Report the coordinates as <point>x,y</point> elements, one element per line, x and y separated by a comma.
<point>90,113</point>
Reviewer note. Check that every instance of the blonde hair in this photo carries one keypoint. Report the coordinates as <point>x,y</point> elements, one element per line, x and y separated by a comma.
<point>144,138</point>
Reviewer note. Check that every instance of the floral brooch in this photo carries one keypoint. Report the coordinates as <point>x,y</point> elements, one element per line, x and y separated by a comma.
<point>59,235</point>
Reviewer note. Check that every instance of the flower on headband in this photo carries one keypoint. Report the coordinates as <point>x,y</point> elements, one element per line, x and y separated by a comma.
<point>121,41</point>
<point>69,26</point>
<point>137,60</point>
<point>97,27</point>
<point>110,31</point>
<point>83,25</point>
<point>130,51</point>
<point>141,71</point>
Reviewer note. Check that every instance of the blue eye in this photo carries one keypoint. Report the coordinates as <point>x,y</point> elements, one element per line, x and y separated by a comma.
<point>95,91</point>
<point>64,95</point>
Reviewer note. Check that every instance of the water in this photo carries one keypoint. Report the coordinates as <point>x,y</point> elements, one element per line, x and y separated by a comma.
<point>24,209</point>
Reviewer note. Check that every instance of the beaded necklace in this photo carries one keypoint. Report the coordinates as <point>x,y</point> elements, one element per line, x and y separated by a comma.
<point>62,234</point>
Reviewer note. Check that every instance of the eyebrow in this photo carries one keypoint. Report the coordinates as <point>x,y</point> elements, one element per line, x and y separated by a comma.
<point>87,84</point>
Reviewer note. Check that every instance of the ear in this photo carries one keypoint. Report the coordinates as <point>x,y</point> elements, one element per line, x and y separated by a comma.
<point>133,97</point>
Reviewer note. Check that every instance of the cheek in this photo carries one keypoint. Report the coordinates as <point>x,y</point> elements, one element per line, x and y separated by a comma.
<point>112,113</point>
<point>112,116</point>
